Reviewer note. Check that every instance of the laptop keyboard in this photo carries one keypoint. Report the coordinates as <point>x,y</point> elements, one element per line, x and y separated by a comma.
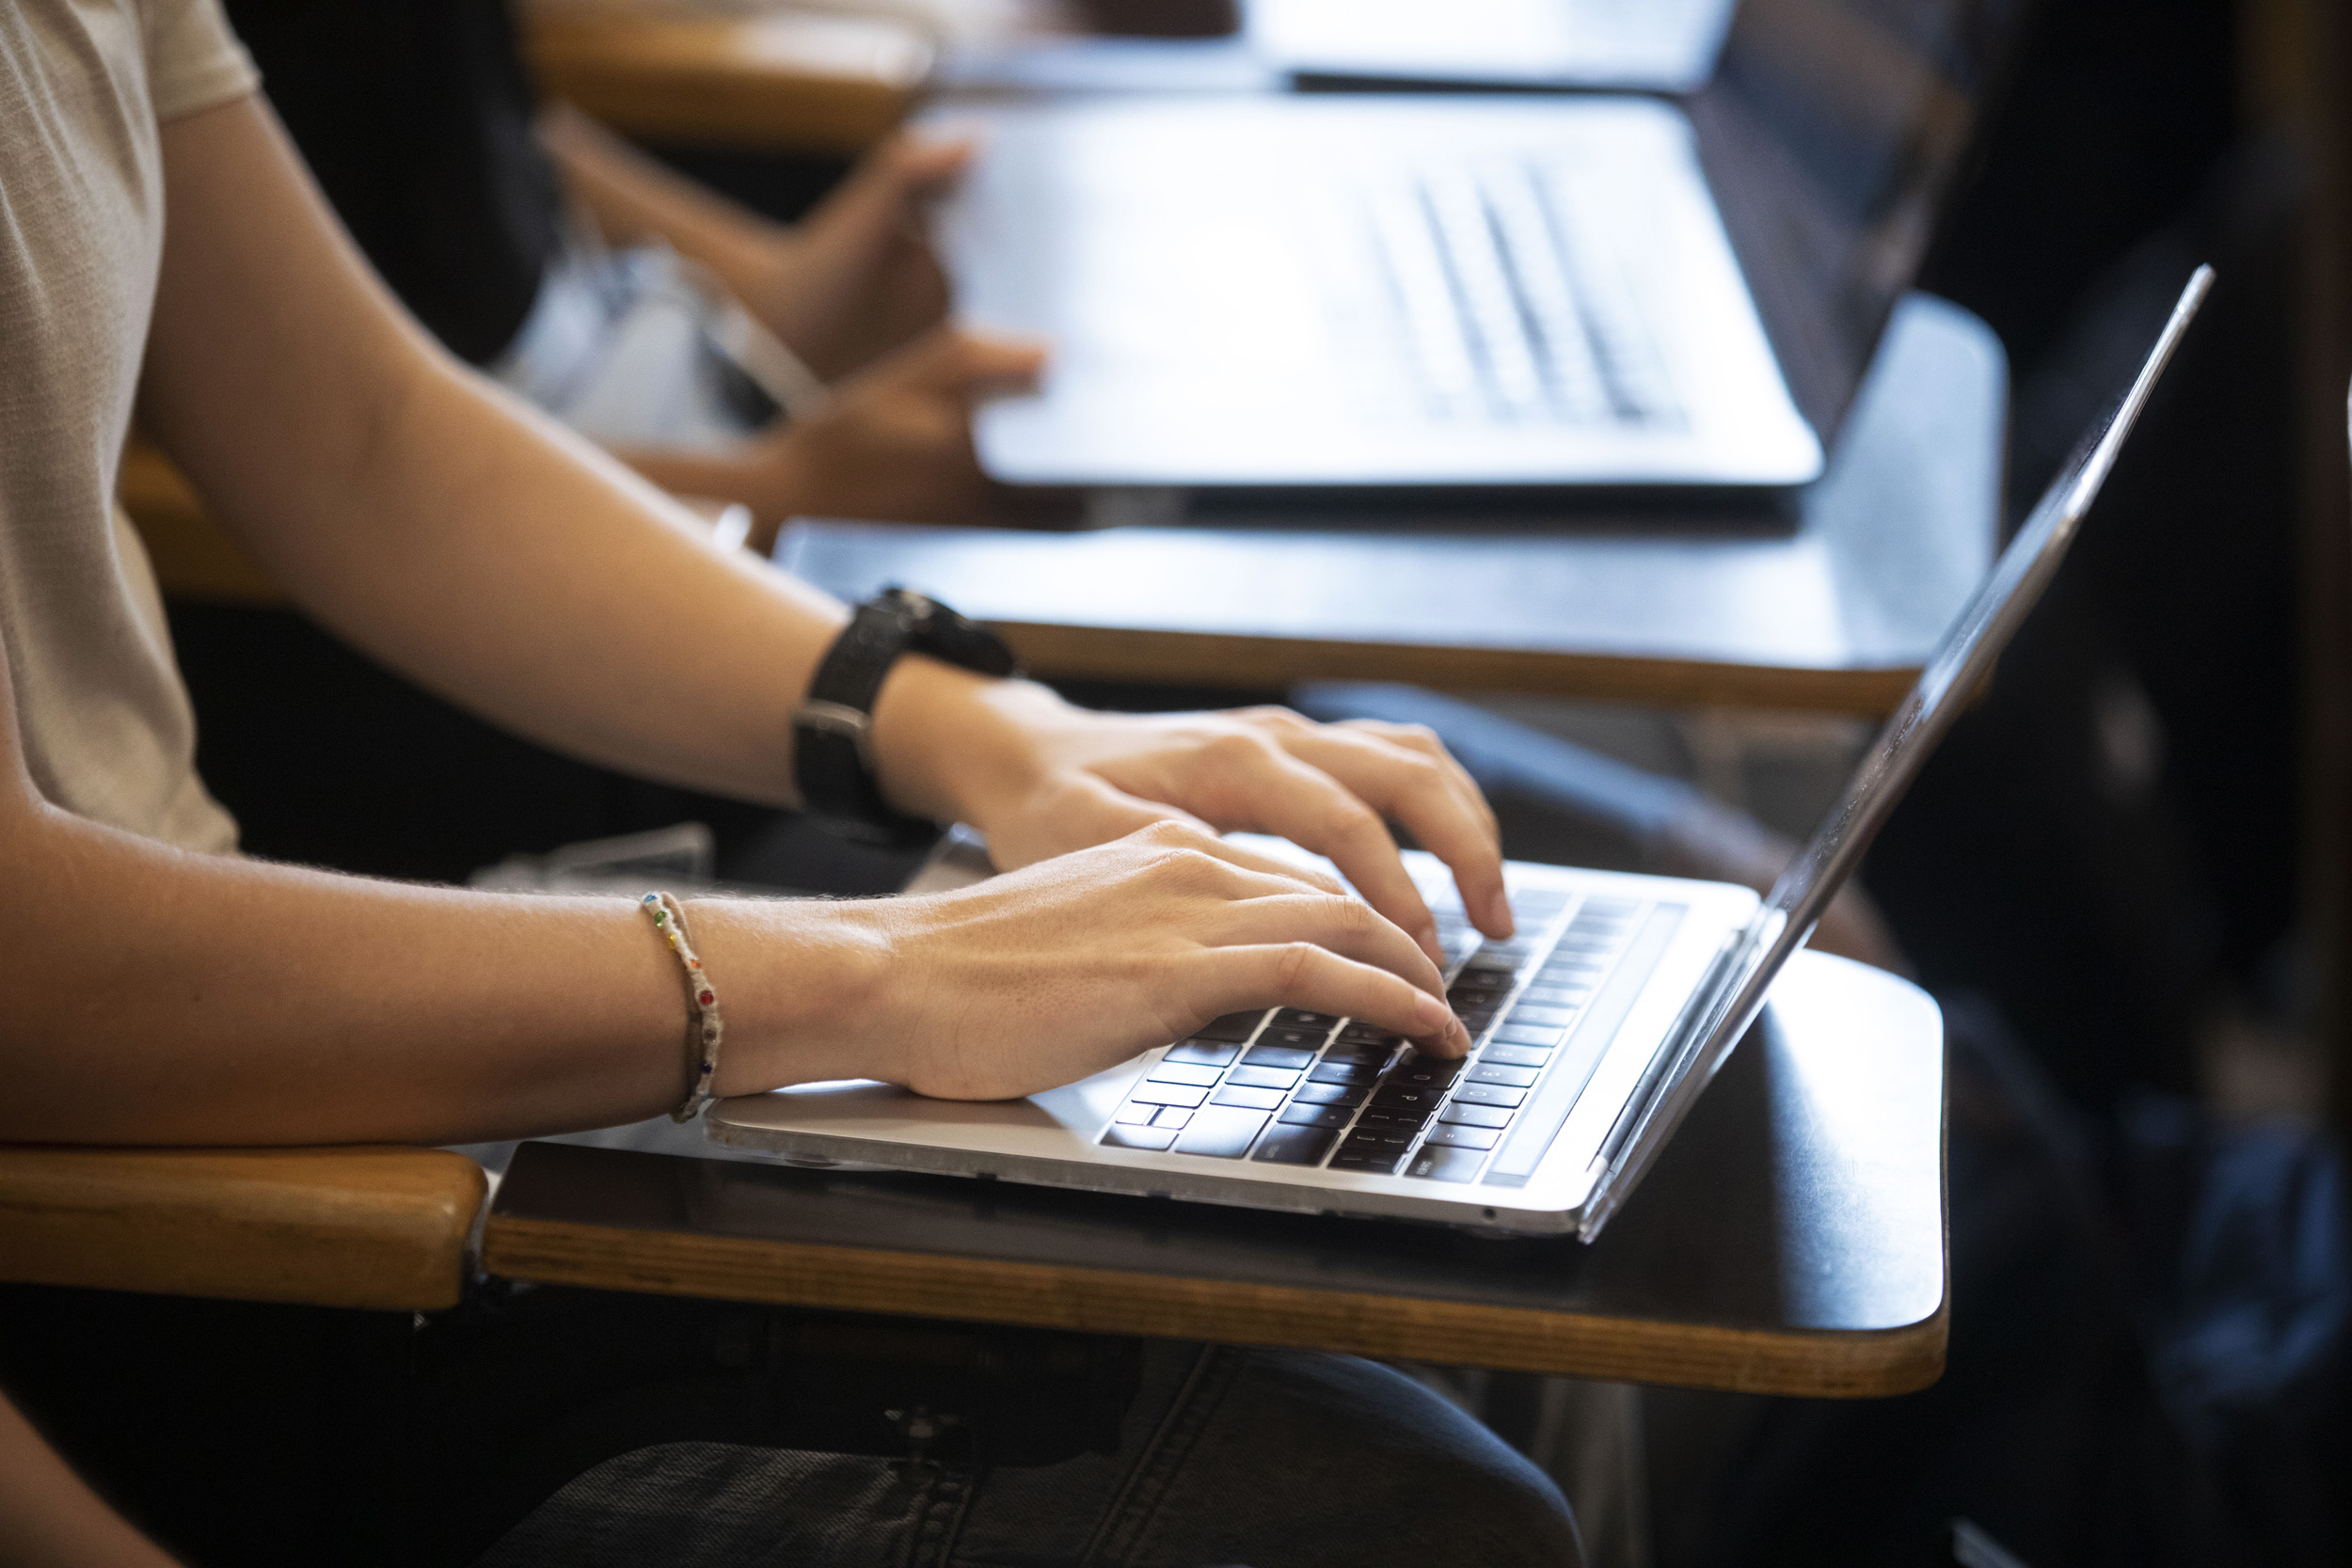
<point>1298,1088</point>
<point>1505,312</point>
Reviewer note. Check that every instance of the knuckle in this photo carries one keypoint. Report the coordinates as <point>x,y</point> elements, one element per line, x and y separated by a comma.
<point>1294,963</point>
<point>1350,916</point>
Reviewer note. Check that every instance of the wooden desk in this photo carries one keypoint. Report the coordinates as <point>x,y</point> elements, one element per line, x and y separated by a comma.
<point>1791,1241</point>
<point>384,1229</point>
<point>1837,615</point>
<point>772,81</point>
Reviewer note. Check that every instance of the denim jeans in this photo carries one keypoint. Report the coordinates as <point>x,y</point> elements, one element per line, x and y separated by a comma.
<point>1268,1458</point>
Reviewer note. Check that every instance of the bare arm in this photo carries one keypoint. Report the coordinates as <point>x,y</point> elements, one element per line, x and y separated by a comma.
<point>50,1519</point>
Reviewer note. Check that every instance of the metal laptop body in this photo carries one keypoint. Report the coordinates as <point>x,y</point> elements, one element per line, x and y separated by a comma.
<point>1629,45</point>
<point>1597,1027</point>
<point>1502,290</point>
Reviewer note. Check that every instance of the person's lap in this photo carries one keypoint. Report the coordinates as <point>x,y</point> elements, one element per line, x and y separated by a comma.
<point>1225,1456</point>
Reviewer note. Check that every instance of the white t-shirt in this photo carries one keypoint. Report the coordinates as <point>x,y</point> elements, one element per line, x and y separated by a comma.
<point>84,83</point>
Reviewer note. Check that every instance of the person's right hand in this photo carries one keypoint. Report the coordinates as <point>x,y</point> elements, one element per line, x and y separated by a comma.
<point>894,443</point>
<point>1046,975</point>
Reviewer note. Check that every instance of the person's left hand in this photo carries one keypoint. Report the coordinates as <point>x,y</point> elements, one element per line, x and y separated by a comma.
<point>857,278</point>
<point>1083,778</point>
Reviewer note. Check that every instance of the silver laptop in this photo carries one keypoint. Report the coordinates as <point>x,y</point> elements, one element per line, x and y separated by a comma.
<point>1500,291</point>
<point>1639,45</point>
<point>1598,1026</point>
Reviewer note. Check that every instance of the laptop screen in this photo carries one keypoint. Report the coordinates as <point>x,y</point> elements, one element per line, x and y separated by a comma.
<point>1734,994</point>
<point>1833,134</point>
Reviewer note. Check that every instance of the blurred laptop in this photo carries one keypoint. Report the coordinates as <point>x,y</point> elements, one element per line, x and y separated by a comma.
<point>1629,45</point>
<point>1444,291</point>
<point>1595,1027</point>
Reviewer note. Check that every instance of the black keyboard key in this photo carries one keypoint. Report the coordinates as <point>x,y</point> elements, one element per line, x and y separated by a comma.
<point>1496,1072</point>
<point>1406,1097</point>
<point>1447,1164</point>
<point>1295,1145</point>
<point>1557,1017</point>
<point>1345,1072</point>
<point>1202,1053</point>
<point>1183,1072</point>
<point>1425,1073</point>
<point>1488,1094</point>
<point>1288,1057</point>
<point>1221,1134</point>
<point>1502,1054</point>
<point>1453,1134</point>
<point>1367,1164</point>
<point>1138,1115</point>
<point>1332,1093</point>
<point>1481,982</point>
<point>1138,1137</point>
<point>1317,1116</point>
<point>1232,1027</point>
<point>1309,1040</point>
<point>1173,1115</point>
<point>1527,1034</point>
<point>1557,996</point>
<point>1262,1078</point>
<point>1375,1131</point>
<point>1364,1033</point>
<point>1253,1100</point>
<point>1390,1122</point>
<point>1477,1116</point>
<point>1168,1094</point>
<point>1298,1018</point>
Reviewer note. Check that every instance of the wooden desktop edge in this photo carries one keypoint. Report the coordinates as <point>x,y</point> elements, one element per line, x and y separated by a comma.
<point>375,1228</point>
<point>1860,1365</point>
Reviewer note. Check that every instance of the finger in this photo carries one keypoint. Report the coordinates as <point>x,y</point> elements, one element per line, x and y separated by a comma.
<point>875,204</point>
<point>1273,874</point>
<point>1302,975</point>
<point>967,365</point>
<point>1262,785</point>
<point>1421,738</point>
<point>1408,786</point>
<point>1344,924</point>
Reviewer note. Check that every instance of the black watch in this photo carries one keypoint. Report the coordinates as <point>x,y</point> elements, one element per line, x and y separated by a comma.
<point>831,754</point>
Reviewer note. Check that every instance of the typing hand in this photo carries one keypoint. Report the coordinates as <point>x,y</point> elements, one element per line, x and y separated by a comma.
<point>1045,975</point>
<point>1330,788</point>
<point>857,278</point>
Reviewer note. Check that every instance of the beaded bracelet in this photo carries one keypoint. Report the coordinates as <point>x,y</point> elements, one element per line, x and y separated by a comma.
<point>704,1029</point>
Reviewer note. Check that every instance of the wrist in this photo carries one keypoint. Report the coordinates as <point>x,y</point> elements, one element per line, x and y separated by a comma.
<point>959,747</point>
<point>802,981</point>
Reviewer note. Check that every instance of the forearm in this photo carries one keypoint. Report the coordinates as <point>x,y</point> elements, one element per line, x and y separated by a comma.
<point>632,197</point>
<point>50,1519</point>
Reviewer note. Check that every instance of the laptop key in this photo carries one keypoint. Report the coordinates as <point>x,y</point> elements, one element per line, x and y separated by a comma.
<point>1173,1115</point>
<point>1140,1137</point>
<point>1345,1072</point>
<point>1233,1026</point>
<point>1201,1053</point>
<point>1262,1078</point>
<point>1526,1015</point>
<point>1183,1072</point>
<point>1295,1145</point>
<point>1404,1097</point>
<point>1477,1116</point>
<point>1316,1115</point>
<point>1167,1093</point>
<point>1296,1040</point>
<point>1298,1018</point>
<point>1221,1134</point>
<point>1488,1094</point>
<point>1332,1093</point>
<point>1446,1164</point>
<point>1456,1135</point>
<point>1253,1100</point>
<point>1426,1072</point>
<point>1495,1073</point>
<point>1389,1119</point>
<point>1138,1115</point>
<point>1365,1033</point>
<point>1285,1056</point>
<point>1502,1054</point>
<point>1527,1034</point>
<point>1556,996</point>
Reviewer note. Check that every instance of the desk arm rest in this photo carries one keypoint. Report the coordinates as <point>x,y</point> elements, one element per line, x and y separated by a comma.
<point>777,82</point>
<point>383,1228</point>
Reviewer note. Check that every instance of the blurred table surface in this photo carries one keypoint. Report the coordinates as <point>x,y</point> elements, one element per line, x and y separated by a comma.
<point>1790,1240</point>
<point>1834,610</point>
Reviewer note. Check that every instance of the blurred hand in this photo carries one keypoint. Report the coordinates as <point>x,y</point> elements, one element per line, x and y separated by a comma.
<point>857,278</point>
<point>894,444</point>
<point>1046,975</point>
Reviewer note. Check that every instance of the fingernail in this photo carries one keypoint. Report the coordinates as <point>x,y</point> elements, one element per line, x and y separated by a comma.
<point>1498,918</point>
<point>1433,1015</point>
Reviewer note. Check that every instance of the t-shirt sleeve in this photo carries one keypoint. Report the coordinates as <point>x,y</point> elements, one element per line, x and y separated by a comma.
<point>194,61</point>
